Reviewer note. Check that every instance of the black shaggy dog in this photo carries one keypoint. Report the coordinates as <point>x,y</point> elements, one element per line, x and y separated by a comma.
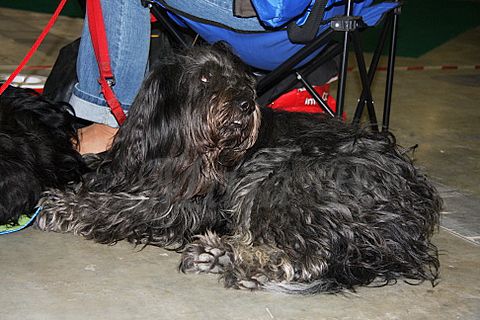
<point>36,151</point>
<point>300,204</point>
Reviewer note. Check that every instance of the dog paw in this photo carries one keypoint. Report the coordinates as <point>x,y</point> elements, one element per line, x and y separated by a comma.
<point>201,259</point>
<point>42,221</point>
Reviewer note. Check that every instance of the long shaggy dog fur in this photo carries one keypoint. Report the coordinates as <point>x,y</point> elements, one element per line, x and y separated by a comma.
<point>302,204</point>
<point>36,151</point>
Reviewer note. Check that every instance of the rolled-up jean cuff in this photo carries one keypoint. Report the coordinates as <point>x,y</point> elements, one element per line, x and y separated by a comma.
<point>96,112</point>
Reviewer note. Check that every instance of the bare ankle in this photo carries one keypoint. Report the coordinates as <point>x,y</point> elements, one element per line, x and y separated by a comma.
<point>95,138</point>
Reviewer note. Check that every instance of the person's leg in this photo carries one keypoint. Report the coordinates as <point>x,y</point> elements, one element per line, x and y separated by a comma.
<point>127,25</point>
<point>219,11</point>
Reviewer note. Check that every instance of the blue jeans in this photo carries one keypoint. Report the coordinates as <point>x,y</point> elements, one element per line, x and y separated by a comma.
<point>220,11</point>
<point>127,25</point>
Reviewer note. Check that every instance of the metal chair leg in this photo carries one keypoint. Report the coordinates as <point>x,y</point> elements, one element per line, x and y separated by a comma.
<point>343,65</point>
<point>390,72</point>
<point>362,70</point>
<point>372,68</point>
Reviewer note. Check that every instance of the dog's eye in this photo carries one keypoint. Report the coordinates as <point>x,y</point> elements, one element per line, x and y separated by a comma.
<point>246,106</point>
<point>206,77</point>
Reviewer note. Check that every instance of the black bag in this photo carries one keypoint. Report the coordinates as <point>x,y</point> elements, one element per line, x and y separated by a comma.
<point>62,78</point>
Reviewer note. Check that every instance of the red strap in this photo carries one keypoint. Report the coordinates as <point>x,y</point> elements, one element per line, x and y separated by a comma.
<point>112,101</point>
<point>100,46</point>
<point>35,46</point>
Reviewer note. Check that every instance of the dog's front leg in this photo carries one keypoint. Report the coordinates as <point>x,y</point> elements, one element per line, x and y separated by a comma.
<point>110,217</point>
<point>57,211</point>
<point>243,265</point>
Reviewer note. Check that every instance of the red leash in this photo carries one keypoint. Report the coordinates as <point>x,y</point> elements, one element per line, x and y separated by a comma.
<point>100,46</point>
<point>34,47</point>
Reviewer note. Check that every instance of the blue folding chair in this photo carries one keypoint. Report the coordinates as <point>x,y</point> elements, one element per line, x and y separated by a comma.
<point>273,50</point>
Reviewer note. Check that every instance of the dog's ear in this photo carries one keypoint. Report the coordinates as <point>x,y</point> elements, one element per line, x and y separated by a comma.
<point>153,127</point>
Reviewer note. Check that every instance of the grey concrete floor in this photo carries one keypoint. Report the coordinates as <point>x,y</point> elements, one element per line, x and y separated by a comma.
<point>60,276</point>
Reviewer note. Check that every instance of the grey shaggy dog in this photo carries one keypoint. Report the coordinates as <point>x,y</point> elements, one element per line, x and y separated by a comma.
<point>298,204</point>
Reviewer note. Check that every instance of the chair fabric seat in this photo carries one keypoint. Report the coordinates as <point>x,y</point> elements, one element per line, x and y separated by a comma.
<point>267,49</point>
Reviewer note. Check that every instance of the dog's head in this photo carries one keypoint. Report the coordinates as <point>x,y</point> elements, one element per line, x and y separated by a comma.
<point>195,106</point>
<point>40,132</point>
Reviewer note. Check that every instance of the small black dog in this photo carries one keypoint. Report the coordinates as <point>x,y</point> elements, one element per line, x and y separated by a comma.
<point>36,151</point>
<point>300,204</point>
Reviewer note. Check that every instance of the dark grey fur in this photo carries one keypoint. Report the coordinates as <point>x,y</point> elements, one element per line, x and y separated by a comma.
<point>314,206</point>
<point>36,151</point>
